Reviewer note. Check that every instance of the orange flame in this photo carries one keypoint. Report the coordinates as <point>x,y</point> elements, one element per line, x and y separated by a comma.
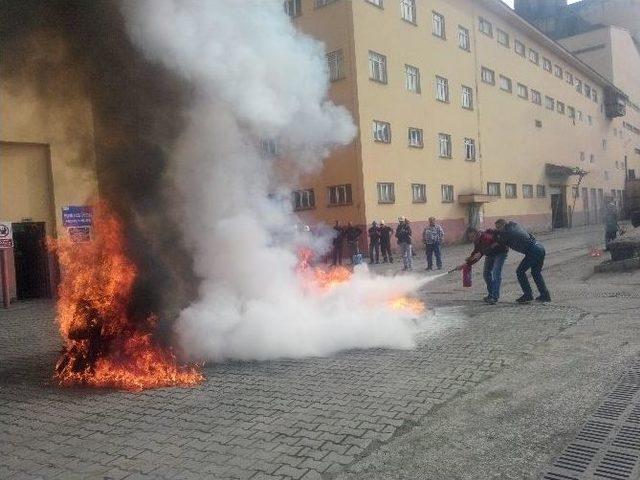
<point>104,347</point>
<point>595,252</point>
<point>324,278</point>
<point>412,305</point>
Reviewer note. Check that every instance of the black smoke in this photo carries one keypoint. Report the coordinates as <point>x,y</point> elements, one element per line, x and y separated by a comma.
<point>138,109</point>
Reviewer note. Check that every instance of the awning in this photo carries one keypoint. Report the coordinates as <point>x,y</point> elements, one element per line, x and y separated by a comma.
<point>563,170</point>
<point>475,198</point>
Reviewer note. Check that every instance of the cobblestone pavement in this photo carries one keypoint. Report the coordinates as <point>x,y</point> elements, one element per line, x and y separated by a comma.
<point>312,418</point>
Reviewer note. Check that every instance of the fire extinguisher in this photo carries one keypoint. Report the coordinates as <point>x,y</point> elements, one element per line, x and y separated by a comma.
<point>466,275</point>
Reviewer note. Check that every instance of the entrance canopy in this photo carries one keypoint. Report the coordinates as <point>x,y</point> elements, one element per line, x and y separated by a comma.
<point>563,171</point>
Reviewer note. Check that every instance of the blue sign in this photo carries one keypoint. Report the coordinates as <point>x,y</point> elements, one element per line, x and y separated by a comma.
<point>80,216</point>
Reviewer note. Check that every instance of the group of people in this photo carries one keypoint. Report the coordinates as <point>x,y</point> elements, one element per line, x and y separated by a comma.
<point>494,245</point>
<point>380,242</point>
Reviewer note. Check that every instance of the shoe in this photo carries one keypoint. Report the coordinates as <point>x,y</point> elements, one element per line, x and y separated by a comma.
<point>439,268</point>
<point>492,301</point>
<point>524,299</point>
<point>486,299</point>
<point>428,268</point>
<point>543,298</point>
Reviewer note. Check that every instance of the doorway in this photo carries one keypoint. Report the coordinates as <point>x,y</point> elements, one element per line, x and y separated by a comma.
<point>31,260</point>
<point>558,207</point>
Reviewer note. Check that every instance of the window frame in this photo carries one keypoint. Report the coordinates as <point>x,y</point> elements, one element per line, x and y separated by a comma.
<point>509,84</point>
<point>517,46</point>
<point>418,89</point>
<point>541,191</point>
<point>422,187</point>
<point>527,187</point>
<point>309,193</point>
<point>348,195</point>
<point>381,60</point>
<point>484,22</point>
<point>558,71</point>
<point>376,124</point>
<point>534,56</point>
<point>494,185</point>
<point>297,8</point>
<point>470,146</point>
<point>390,189</point>
<point>447,188</point>
<point>466,89</point>
<point>521,86</point>
<point>421,136</point>
<point>547,63</point>
<point>409,6</point>
<point>536,97</point>
<point>463,32</point>
<point>444,83</point>
<point>509,195</point>
<point>560,107</point>
<point>501,33</point>
<point>549,103</point>
<point>443,33</point>
<point>484,70</point>
<point>339,64</point>
<point>445,139</point>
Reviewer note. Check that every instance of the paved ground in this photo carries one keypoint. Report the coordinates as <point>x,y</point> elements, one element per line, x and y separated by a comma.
<point>496,393</point>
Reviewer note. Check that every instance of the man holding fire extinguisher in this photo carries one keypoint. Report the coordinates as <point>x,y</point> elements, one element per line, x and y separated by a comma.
<point>485,243</point>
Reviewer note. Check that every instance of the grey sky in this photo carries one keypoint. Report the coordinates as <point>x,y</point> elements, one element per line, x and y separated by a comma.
<point>510,2</point>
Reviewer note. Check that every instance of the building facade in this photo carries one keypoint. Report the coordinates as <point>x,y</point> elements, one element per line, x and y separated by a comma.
<point>466,112</point>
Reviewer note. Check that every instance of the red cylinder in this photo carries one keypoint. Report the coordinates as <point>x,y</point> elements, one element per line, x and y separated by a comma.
<point>466,276</point>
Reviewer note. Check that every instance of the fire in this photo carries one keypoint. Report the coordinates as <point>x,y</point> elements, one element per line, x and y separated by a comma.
<point>104,346</point>
<point>412,305</point>
<point>323,278</point>
<point>595,252</point>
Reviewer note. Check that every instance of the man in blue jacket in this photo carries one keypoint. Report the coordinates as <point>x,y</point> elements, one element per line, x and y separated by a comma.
<point>512,235</point>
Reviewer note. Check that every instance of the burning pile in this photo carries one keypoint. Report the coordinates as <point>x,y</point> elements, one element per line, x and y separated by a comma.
<point>104,345</point>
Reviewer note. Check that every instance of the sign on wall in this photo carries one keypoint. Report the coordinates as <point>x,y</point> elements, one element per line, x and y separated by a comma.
<point>6,235</point>
<point>78,220</point>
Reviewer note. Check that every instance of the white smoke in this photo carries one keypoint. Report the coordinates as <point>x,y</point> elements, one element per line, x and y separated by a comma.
<point>254,76</point>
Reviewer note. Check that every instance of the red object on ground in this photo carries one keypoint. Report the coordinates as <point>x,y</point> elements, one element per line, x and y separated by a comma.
<point>466,276</point>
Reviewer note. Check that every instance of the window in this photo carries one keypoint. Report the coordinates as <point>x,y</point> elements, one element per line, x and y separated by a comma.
<point>442,89</point>
<point>575,192</point>
<point>377,3</point>
<point>571,112</point>
<point>592,158</point>
<point>469,149</point>
<point>546,64</point>
<point>488,76</point>
<point>503,38</point>
<point>536,97</point>
<point>322,3</point>
<point>335,60</point>
<point>534,57</point>
<point>444,145</point>
<point>549,103</point>
<point>486,27</point>
<point>582,156</point>
<point>408,10</point>
<point>447,193</point>
<point>467,97</point>
<point>419,192</point>
<point>538,123</point>
<point>340,194</point>
<point>381,131</point>
<point>568,77</point>
<point>493,189</point>
<point>519,47</point>
<point>293,8</point>
<point>377,67</point>
<point>590,119</point>
<point>412,78</point>
<point>304,199</point>
<point>580,116</point>
<point>510,190</point>
<point>541,191</point>
<point>604,143</point>
<point>587,91</point>
<point>527,191</point>
<point>557,71</point>
<point>578,85</point>
<point>505,84</point>
<point>269,147</point>
<point>438,25</point>
<point>415,137</point>
<point>560,107</point>
<point>523,91</point>
<point>386,193</point>
<point>594,93</point>
<point>463,38</point>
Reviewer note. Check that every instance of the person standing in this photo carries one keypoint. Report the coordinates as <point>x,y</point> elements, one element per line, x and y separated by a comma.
<point>611,226</point>
<point>352,234</point>
<point>512,235</point>
<point>403,235</point>
<point>432,237</point>
<point>338,241</point>
<point>374,243</point>
<point>385,242</point>
<point>485,243</point>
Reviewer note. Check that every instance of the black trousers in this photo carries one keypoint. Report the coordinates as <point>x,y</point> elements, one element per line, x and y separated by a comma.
<point>386,251</point>
<point>374,249</point>
<point>337,255</point>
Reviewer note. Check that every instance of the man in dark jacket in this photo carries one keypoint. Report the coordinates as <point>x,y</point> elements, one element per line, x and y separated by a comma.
<point>512,235</point>
<point>403,234</point>
<point>374,243</point>
<point>338,240</point>
<point>385,242</point>
<point>485,243</point>
<point>611,226</point>
<point>351,234</point>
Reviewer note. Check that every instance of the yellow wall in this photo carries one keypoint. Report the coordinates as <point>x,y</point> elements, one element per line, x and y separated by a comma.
<point>38,126</point>
<point>510,148</point>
